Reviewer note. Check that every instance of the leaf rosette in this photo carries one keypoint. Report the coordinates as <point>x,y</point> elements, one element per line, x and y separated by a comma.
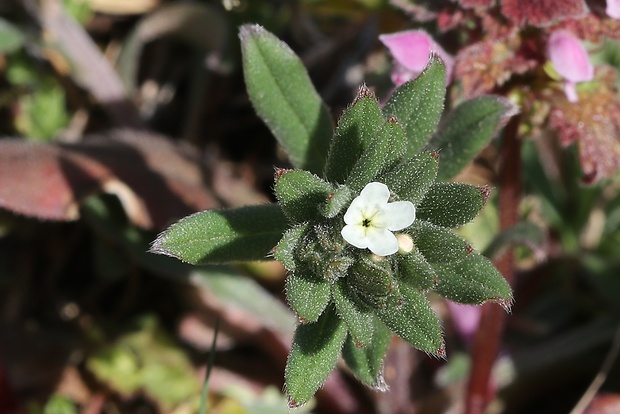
<point>364,230</point>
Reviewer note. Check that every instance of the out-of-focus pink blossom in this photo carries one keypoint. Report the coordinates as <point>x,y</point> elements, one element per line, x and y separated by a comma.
<point>613,9</point>
<point>570,60</point>
<point>411,50</point>
<point>466,319</point>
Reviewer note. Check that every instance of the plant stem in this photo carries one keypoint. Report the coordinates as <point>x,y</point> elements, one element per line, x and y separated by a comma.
<point>488,338</point>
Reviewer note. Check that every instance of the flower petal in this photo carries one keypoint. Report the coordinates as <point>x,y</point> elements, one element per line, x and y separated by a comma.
<point>411,50</point>
<point>569,57</point>
<point>375,193</point>
<point>613,9</point>
<point>355,212</point>
<point>355,235</point>
<point>399,214</point>
<point>381,241</point>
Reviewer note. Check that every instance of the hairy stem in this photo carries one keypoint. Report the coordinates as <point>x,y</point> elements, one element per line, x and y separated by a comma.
<point>488,338</point>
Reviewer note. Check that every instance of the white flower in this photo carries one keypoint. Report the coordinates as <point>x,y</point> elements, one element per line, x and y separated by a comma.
<point>370,220</point>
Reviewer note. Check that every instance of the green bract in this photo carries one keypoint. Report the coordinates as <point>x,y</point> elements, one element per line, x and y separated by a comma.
<point>348,300</point>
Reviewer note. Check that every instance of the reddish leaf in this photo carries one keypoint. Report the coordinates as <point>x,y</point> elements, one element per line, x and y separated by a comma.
<point>154,180</point>
<point>542,12</point>
<point>476,3</point>
<point>593,124</point>
<point>593,28</point>
<point>485,65</point>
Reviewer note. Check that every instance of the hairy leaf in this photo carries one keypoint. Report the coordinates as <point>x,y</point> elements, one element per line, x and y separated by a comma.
<point>467,130</point>
<point>411,317</point>
<point>415,271</point>
<point>307,294</point>
<point>337,201</point>
<point>452,204</point>
<point>357,317</point>
<point>300,194</point>
<point>411,179</point>
<point>366,362</point>
<point>418,104</point>
<point>383,152</point>
<point>285,250</point>
<point>438,244</point>
<point>223,236</point>
<point>357,129</point>
<point>315,351</point>
<point>472,281</point>
<point>284,97</point>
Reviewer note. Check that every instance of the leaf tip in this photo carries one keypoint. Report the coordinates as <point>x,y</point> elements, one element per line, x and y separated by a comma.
<point>485,191</point>
<point>247,30</point>
<point>364,92</point>
<point>279,172</point>
<point>506,304</point>
<point>293,404</point>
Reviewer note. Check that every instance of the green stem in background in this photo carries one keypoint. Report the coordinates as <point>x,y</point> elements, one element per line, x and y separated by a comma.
<point>205,389</point>
<point>488,339</point>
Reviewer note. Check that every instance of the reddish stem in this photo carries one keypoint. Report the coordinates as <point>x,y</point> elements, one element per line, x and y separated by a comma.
<point>488,339</point>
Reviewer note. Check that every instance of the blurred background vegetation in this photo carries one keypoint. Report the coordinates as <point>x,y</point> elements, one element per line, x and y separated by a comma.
<point>119,117</point>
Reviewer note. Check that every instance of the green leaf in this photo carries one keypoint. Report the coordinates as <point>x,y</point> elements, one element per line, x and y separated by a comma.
<point>473,281</point>
<point>415,271</point>
<point>356,130</point>
<point>411,317</point>
<point>357,317</point>
<point>11,38</point>
<point>370,277</point>
<point>285,99</point>
<point>147,360</point>
<point>301,194</point>
<point>452,204</point>
<point>525,233</point>
<point>382,153</point>
<point>337,201</point>
<point>223,236</point>
<point>412,178</point>
<point>467,130</point>
<point>438,244</point>
<point>418,105</point>
<point>366,363</point>
<point>307,294</point>
<point>315,351</point>
<point>285,250</point>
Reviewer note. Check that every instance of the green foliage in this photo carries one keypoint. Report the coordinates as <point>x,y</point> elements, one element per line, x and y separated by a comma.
<point>243,234</point>
<point>366,362</point>
<point>452,204</point>
<point>438,244</point>
<point>146,360</point>
<point>418,104</point>
<point>412,178</point>
<point>382,153</point>
<point>410,316</point>
<point>11,38</point>
<point>315,351</point>
<point>467,130</point>
<point>348,300</point>
<point>356,130</point>
<point>285,99</point>
<point>473,280</point>
<point>301,194</point>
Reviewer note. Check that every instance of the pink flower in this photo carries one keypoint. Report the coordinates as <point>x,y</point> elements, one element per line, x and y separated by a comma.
<point>466,319</point>
<point>613,9</point>
<point>570,60</point>
<point>411,50</point>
